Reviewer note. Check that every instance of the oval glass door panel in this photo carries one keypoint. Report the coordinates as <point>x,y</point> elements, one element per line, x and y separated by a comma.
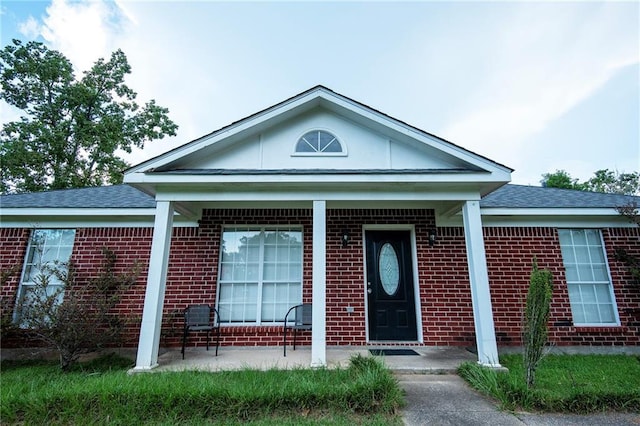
<point>389,269</point>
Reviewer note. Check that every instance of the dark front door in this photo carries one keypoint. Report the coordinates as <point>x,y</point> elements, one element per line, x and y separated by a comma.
<point>390,294</point>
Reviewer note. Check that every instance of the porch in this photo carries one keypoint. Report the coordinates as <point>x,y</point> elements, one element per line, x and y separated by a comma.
<point>429,360</point>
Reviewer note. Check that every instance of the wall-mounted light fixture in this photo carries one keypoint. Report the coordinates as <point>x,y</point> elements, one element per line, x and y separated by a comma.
<point>433,236</point>
<point>345,237</point>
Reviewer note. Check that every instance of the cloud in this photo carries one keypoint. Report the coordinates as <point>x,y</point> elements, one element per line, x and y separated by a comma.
<point>30,28</point>
<point>544,64</point>
<point>83,31</point>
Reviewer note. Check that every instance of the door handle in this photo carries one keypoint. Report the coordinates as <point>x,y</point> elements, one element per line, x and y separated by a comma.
<point>369,291</point>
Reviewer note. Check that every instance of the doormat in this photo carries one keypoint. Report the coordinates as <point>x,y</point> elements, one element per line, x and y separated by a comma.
<point>393,352</point>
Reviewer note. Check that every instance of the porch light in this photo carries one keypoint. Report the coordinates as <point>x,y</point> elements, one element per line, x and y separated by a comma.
<point>345,237</point>
<point>432,237</point>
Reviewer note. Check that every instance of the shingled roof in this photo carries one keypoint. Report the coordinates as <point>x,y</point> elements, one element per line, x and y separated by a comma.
<point>115,197</point>
<point>520,196</point>
<point>125,196</point>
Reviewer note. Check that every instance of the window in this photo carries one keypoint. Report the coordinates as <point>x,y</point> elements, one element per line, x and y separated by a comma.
<point>48,252</point>
<point>588,279</point>
<point>260,274</point>
<point>319,142</point>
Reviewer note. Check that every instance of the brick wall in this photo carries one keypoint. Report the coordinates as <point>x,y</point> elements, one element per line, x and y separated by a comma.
<point>445,297</point>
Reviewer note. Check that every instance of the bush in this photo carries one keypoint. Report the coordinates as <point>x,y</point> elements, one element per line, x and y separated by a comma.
<point>536,316</point>
<point>77,317</point>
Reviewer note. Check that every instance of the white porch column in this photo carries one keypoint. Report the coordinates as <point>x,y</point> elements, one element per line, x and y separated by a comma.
<point>156,283</point>
<point>319,315</point>
<point>479,279</point>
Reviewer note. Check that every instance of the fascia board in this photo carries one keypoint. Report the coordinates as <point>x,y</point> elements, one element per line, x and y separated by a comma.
<point>39,212</point>
<point>259,196</point>
<point>609,211</point>
<point>180,178</point>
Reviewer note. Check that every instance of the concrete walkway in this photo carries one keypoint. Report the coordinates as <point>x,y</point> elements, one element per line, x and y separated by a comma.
<point>448,400</point>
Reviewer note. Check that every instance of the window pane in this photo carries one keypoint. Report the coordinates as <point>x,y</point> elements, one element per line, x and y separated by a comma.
<point>600,273</point>
<point>582,255</point>
<point>571,272</point>
<point>585,273</point>
<point>579,238</point>
<point>606,314</point>
<point>593,237</point>
<point>588,294</point>
<point>591,314</point>
<point>603,294</point>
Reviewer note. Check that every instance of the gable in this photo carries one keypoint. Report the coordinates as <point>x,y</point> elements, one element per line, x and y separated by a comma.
<point>266,140</point>
<point>363,148</point>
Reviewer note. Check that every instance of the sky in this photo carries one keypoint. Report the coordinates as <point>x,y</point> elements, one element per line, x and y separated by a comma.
<point>536,86</point>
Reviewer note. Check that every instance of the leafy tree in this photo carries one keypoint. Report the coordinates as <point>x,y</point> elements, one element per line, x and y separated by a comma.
<point>560,179</point>
<point>536,317</point>
<point>604,180</point>
<point>71,128</point>
<point>614,182</point>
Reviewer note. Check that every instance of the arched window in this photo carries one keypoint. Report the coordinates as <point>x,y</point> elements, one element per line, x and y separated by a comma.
<point>318,142</point>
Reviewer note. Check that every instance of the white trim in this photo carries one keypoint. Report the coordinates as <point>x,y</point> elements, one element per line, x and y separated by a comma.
<point>343,153</point>
<point>319,285</point>
<point>149,342</point>
<point>74,211</point>
<point>479,283</point>
<point>558,211</point>
<point>414,264</point>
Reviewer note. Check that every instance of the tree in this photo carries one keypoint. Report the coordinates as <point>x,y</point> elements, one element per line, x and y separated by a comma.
<point>614,182</point>
<point>560,179</point>
<point>605,180</point>
<point>71,128</point>
<point>536,317</point>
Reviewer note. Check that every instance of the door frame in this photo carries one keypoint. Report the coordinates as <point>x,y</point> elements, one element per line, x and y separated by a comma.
<point>414,265</point>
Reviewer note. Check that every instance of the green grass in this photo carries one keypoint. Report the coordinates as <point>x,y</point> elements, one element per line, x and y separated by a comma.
<point>564,383</point>
<point>101,392</point>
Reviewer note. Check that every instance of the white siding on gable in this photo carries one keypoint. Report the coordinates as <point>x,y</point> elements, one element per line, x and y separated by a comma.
<point>364,148</point>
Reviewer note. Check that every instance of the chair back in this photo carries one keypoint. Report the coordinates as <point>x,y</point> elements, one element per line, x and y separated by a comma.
<point>304,314</point>
<point>197,315</point>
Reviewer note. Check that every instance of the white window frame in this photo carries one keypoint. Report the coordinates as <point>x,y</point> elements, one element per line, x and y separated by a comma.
<point>609,284</point>
<point>260,281</point>
<point>26,277</point>
<point>343,147</point>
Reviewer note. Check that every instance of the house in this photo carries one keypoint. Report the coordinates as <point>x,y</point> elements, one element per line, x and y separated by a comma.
<point>396,236</point>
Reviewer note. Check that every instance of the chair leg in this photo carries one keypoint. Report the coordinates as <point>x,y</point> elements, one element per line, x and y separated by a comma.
<point>217,339</point>
<point>208,333</point>
<point>285,341</point>
<point>184,341</point>
<point>295,333</point>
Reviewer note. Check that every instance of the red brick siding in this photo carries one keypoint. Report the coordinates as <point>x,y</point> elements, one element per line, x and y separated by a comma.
<point>445,298</point>
<point>13,246</point>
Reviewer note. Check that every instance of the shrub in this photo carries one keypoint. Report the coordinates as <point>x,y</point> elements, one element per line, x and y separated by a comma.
<point>77,317</point>
<point>535,320</point>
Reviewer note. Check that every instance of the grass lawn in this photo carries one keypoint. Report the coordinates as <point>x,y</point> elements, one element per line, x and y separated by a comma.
<point>564,383</point>
<point>101,392</point>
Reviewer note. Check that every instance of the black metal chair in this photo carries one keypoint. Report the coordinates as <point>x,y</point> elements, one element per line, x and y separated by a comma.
<point>301,321</point>
<point>201,318</point>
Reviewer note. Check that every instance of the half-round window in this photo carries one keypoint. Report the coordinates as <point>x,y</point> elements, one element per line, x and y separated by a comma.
<point>318,142</point>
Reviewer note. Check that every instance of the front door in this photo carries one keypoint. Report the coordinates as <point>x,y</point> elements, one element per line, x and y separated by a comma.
<point>390,292</point>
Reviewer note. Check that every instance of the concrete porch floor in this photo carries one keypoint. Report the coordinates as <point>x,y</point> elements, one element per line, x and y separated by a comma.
<point>430,360</point>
